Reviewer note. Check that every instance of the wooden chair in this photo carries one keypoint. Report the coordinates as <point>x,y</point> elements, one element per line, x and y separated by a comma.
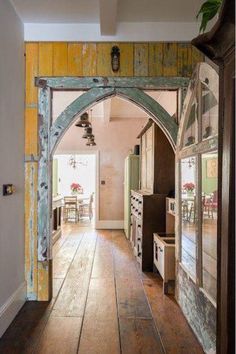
<point>86,209</point>
<point>70,210</point>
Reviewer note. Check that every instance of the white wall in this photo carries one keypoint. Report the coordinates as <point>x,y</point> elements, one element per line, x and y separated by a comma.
<point>12,289</point>
<point>84,173</point>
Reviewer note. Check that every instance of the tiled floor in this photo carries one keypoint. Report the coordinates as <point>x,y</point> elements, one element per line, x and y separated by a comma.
<point>102,304</point>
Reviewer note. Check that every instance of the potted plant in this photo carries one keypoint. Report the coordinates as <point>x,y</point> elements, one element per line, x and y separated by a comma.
<point>208,10</point>
<point>76,188</point>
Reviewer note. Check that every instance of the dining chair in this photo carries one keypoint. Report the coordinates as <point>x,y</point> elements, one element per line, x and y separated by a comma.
<point>70,210</point>
<point>86,209</point>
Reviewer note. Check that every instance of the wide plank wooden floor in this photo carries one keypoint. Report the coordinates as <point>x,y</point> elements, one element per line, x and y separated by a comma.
<point>102,304</point>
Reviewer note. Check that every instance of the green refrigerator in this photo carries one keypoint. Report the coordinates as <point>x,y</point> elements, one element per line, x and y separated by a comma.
<point>131,181</point>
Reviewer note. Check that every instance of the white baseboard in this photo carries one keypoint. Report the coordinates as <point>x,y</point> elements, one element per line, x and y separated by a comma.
<point>12,306</point>
<point>109,224</point>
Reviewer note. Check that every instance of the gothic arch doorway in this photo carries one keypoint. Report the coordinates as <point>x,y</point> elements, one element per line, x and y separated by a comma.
<point>96,90</point>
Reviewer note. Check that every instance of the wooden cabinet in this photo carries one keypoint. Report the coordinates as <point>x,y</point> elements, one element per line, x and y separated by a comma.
<point>170,215</point>
<point>157,161</point>
<point>147,217</point>
<point>131,181</point>
<point>164,257</point>
<point>56,218</point>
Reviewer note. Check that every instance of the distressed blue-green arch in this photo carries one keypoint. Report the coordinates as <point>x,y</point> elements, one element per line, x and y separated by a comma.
<point>95,95</point>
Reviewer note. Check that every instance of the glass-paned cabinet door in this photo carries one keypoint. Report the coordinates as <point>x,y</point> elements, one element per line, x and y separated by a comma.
<point>209,112</point>
<point>209,168</point>
<point>188,200</point>
<point>190,134</point>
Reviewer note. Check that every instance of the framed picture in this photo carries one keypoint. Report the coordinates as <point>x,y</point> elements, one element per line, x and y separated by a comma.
<point>212,168</point>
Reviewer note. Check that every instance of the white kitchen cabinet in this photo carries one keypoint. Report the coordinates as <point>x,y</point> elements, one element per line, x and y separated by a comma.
<point>164,257</point>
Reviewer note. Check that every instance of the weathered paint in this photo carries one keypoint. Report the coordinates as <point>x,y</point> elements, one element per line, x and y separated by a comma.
<point>31,71</point>
<point>155,59</point>
<point>170,62</point>
<point>81,83</point>
<point>141,59</point>
<point>81,104</point>
<point>31,238</point>
<point>44,280</point>
<point>89,57</point>
<point>45,59</point>
<point>159,114</point>
<point>75,65</point>
<point>137,96</point>
<point>126,59</point>
<point>104,59</point>
<point>199,311</point>
<point>31,131</point>
<point>75,59</point>
<point>196,306</point>
<point>184,59</point>
<point>60,59</point>
<point>44,165</point>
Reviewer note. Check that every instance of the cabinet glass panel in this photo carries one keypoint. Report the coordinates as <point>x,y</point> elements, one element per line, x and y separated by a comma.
<point>191,126</point>
<point>209,222</point>
<point>209,112</point>
<point>188,214</point>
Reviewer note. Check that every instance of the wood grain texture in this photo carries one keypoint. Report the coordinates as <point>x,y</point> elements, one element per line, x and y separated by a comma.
<point>44,281</point>
<point>31,131</point>
<point>91,323</point>
<point>31,71</point>
<point>170,60</point>
<point>104,59</point>
<point>60,59</point>
<point>126,59</point>
<point>100,332</point>
<point>89,57</point>
<point>75,64</point>
<point>45,59</point>
<point>197,57</point>
<point>167,315</point>
<point>139,336</point>
<point>140,59</point>
<point>184,59</point>
<point>155,59</point>
<point>61,335</point>
<point>72,298</point>
<point>31,264</point>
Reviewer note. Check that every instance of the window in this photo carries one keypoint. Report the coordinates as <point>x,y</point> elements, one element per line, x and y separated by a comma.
<point>197,155</point>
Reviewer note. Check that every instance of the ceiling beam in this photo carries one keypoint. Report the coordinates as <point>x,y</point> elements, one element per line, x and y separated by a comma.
<point>108,17</point>
<point>107,111</point>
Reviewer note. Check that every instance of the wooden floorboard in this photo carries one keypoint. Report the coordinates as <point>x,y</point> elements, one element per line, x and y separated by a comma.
<point>72,297</point>
<point>61,335</point>
<point>139,336</point>
<point>102,304</point>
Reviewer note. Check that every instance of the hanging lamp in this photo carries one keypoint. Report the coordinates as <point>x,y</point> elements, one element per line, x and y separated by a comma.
<point>91,142</point>
<point>84,121</point>
<point>88,133</point>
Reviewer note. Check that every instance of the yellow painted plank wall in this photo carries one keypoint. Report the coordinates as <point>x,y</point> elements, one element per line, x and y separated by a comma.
<point>94,59</point>
<point>82,59</point>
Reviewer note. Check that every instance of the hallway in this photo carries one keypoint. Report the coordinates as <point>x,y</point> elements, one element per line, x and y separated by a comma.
<point>101,304</point>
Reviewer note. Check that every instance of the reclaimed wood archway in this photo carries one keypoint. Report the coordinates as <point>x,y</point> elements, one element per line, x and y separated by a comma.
<point>96,89</point>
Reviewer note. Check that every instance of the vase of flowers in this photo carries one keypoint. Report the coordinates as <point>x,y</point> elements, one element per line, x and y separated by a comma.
<point>76,188</point>
<point>189,188</point>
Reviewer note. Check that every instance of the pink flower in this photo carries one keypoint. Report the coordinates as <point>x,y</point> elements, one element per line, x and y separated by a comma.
<point>189,186</point>
<point>75,187</point>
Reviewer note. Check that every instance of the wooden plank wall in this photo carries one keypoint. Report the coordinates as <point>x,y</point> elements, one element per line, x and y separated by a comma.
<point>83,59</point>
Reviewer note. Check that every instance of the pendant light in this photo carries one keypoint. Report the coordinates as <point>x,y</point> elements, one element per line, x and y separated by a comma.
<point>91,142</point>
<point>88,133</point>
<point>84,121</point>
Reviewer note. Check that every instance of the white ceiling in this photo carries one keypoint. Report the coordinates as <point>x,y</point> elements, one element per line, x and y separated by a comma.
<point>115,107</point>
<point>87,11</point>
<point>125,20</point>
